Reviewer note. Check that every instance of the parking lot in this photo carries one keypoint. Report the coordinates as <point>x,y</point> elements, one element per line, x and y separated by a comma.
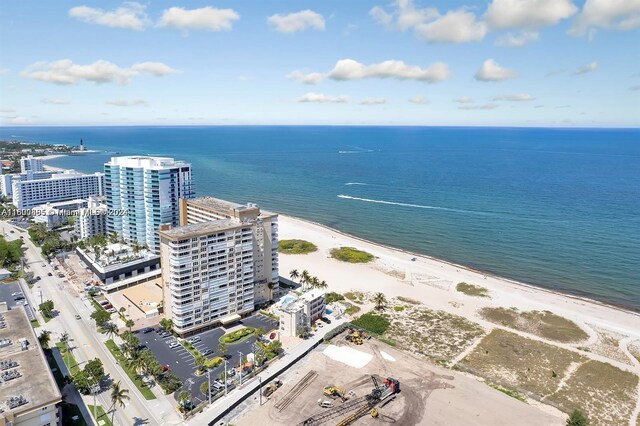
<point>12,294</point>
<point>181,362</point>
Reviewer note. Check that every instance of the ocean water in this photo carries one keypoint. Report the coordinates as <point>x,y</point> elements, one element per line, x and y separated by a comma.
<point>557,208</point>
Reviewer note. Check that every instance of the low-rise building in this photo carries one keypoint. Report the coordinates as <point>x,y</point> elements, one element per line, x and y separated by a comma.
<point>28,393</point>
<point>296,311</point>
<point>120,266</point>
<point>65,186</point>
<point>55,215</point>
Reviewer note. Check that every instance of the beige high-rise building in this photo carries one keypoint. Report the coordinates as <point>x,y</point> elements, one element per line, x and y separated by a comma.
<point>219,265</point>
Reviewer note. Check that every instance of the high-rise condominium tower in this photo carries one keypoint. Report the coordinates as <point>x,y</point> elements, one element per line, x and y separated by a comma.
<point>142,193</point>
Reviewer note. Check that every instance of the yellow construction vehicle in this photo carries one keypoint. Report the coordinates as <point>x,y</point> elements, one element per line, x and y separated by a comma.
<point>334,392</point>
<point>271,388</point>
<point>374,413</point>
<point>354,338</point>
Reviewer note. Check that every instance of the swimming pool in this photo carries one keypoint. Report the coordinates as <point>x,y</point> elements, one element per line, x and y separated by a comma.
<point>328,311</point>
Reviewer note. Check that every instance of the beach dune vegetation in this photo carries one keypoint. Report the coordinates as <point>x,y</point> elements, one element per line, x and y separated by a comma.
<point>374,323</point>
<point>351,255</point>
<point>296,247</point>
<point>472,290</point>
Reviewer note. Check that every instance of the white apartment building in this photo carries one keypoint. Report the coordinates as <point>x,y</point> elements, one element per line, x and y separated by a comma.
<point>65,186</point>
<point>148,189</point>
<point>264,234</point>
<point>57,214</point>
<point>207,273</point>
<point>6,181</point>
<point>297,311</point>
<point>91,220</point>
<point>31,164</point>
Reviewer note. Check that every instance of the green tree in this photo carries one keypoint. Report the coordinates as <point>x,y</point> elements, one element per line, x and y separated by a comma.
<point>294,274</point>
<point>118,398</point>
<point>129,324</point>
<point>100,316</point>
<point>380,300</point>
<point>204,388</point>
<point>81,382</point>
<point>304,278</point>
<point>199,361</point>
<point>577,418</point>
<point>110,329</point>
<point>166,324</point>
<point>46,308</point>
<point>44,338</point>
<point>323,285</point>
<point>222,350</point>
<point>94,370</point>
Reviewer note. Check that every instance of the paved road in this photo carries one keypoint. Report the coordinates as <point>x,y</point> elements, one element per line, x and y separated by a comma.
<point>89,344</point>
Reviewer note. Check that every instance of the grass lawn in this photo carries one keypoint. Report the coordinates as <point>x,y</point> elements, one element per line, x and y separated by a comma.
<point>237,336</point>
<point>35,323</point>
<point>296,247</point>
<point>541,323</point>
<point>69,360</point>
<point>100,415</point>
<point>351,255</point>
<point>115,351</point>
<point>472,290</point>
<point>374,323</point>
<point>46,319</point>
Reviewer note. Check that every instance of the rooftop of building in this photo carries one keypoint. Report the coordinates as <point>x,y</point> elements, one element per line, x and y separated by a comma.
<point>227,207</point>
<point>116,255</point>
<point>146,162</point>
<point>67,174</point>
<point>35,383</point>
<point>199,229</point>
<point>294,301</point>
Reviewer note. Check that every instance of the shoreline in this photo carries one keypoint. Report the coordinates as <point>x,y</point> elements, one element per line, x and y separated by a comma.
<point>535,287</point>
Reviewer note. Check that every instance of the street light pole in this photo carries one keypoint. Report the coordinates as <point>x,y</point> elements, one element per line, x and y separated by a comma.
<point>209,380</point>
<point>225,376</point>
<point>260,389</point>
<point>240,361</point>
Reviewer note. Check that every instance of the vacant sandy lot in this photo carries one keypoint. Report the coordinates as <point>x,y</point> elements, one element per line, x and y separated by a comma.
<point>429,395</point>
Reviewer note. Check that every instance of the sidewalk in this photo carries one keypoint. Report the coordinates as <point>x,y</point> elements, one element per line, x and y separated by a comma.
<point>72,394</point>
<point>212,415</point>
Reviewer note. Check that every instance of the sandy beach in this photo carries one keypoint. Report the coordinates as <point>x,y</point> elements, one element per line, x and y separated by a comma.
<point>433,282</point>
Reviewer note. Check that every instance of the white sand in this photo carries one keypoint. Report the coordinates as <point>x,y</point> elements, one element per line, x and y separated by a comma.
<point>349,356</point>
<point>433,282</point>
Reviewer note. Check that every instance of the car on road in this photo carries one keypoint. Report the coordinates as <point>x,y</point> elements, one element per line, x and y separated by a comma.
<point>18,298</point>
<point>49,274</point>
<point>38,278</point>
<point>78,317</point>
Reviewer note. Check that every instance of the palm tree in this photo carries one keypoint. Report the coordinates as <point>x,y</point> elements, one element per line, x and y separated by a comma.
<point>118,397</point>
<point>110,329</point>
<point>323,285</point>
<point>129,323</point>
<point>44,338</point>
<point>380,300</point>
<point>64,338</point>
<point>137,363</point>
<point>222,350</point>
<point>294,274</point>
<point>304,278</point>
<point>315,282</point>
<point>204,387</point>
<point>200,361</point>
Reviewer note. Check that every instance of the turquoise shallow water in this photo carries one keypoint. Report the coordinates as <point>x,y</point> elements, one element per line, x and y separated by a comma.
<point>558,208</point>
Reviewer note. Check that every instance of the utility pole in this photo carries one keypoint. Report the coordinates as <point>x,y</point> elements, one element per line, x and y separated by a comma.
<point>240,361</point>
<point>260,389</point>
<point>225,376</point>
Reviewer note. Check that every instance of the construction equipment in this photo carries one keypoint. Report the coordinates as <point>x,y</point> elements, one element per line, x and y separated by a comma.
<point>362,405</point>
<point>354,338</point>
<point>271,388</point>
<point>374,413</point>
<point>334,392</point>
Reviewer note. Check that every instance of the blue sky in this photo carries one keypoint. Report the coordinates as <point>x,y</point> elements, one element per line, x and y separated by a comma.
<point>498,62</point>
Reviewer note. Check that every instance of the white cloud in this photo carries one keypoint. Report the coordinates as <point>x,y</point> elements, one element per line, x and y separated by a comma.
<point>421,100</point>
<point>348,69</point>
<point>16,119</point>
<point>64,71</point>
<point>620,15</point>
<point>127,102</point>
<point>517,40</point>
<point>7,110</point>
<point>455,26</point>
<point>309,78</point>
<point>586,68</point>
<point>322,98</point>
<point>464,100</point>
<point>298,21</point>
<point>491,71</point>
<point>528,14</point>
<point>204,18</point>
<point>4,71</point>
<point>474,107</point>
<point>55,101</point>
<point>154,68</point>
<point>130,15</point>
<point>373,101</point>
<point>522,97</point>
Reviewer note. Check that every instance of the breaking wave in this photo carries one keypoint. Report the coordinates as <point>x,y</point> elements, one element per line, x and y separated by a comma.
<point>417,206</point>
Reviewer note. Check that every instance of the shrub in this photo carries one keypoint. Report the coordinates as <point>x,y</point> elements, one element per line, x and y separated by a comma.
<point>351,255</point>
<point>296,247</point>
<point>398,308</point>
<point>472,290</point>
<point>332,297</point>
<point>237,335</point>
<point>577,418</point>
<point>374,323</point>
<point>351,309</point>
<point>214,362</point>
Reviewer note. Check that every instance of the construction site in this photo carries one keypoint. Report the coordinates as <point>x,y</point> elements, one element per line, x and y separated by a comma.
<point>359,380</point>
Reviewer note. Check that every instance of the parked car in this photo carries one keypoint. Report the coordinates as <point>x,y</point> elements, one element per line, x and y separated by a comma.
<point>38,278</point>
<point>194,339</point>
<point>272,335</point>
<point>147,330</point>
<point>78,317</point>
<point>217,387</point>
<point>207,352</point>
<point>18,298</point>
<point>165,368</point>
<point>231,372</point>
<point>50,274</point>
<point>173,344</point>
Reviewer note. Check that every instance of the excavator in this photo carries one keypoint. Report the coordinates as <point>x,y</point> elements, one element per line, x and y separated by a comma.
<point>333,391</point>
